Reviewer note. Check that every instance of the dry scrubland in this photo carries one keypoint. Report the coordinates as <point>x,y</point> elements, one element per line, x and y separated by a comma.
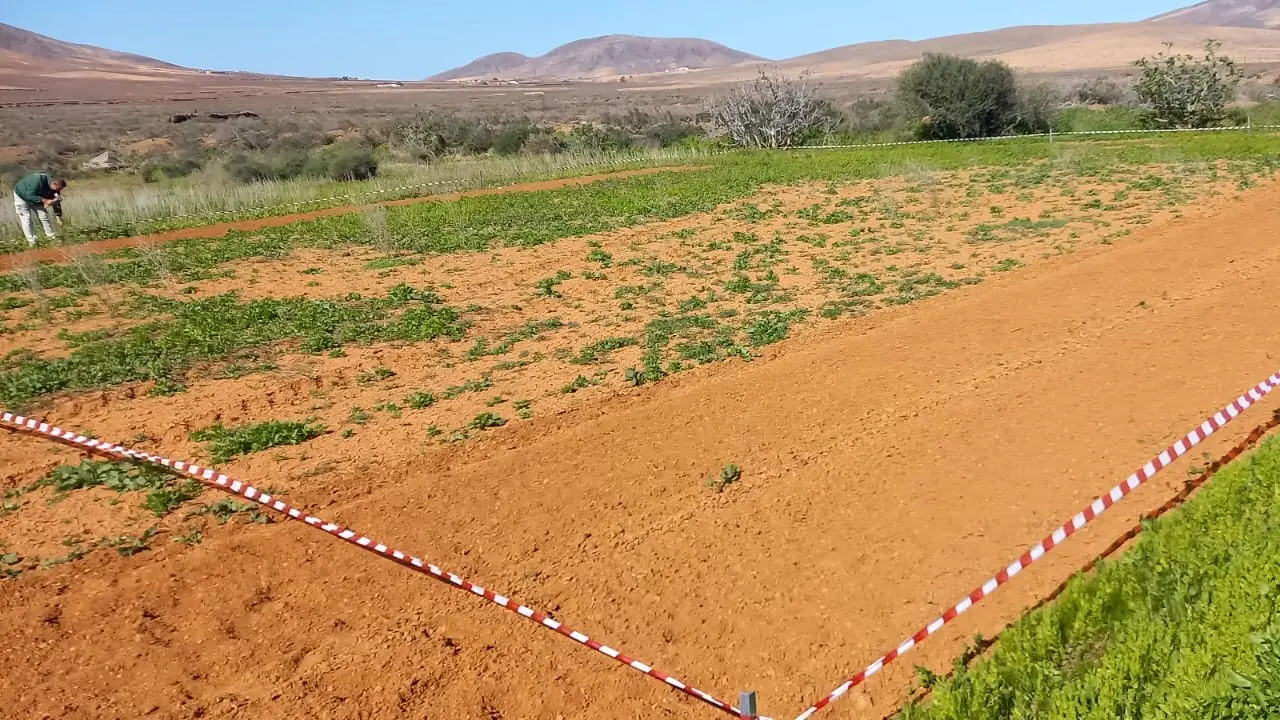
<point>290,354</point>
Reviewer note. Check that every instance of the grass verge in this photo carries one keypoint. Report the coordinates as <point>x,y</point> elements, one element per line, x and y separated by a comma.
<point>1184,625</point>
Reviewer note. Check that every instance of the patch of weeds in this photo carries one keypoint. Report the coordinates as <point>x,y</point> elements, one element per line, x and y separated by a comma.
<point>118,476</point>
<point>386,263</point>
<point>434,431</point>
<point>524,408</point>
<point>191,538</point>
<point>347,433</point>
<point>598,351</point>
<point>313,271</point>
<point>918,287</point>
<point>165,500</point>
<point>129,545</point>
<point>377,374</point>
<point>530,330</point>
<point>1007,264</point>
<point>495,401</point>
<point>634,377</point>
<point>236,370</point>
<point>582,382</point>
<point>420,400</point>
<point>547,286</point>
<point>389,408</point>
<point>224,443</point>
<point>358,416</point>
<point>729,475</point>
<point>592,275</point>
<point>771,326</point>
<point>214,328</point>
<point>598,255</point>
<point>660,268</point>
<point>470,386</point>
<point>486,420</point>
<point>226,509</point>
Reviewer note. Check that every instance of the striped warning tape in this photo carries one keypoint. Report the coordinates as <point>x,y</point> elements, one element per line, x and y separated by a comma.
<point>1059,536</point>
<point>218,481</point>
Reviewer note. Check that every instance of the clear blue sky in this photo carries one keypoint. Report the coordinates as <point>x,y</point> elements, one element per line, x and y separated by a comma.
<point>404,39</point>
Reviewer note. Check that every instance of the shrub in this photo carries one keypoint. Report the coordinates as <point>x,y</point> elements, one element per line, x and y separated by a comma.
<point>542,143</point>
<point>1181,91</point>
<point>1100,91</point>
<point>247,167</point>
<point>952,97</point>
<point>774,112</point>
<point>511,137</point>
<point>1037,109</point>
<point>344,161</point>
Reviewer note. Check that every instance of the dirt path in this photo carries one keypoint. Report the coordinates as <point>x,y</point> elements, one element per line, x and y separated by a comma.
<point>889,465</point>
<point>63,252</point>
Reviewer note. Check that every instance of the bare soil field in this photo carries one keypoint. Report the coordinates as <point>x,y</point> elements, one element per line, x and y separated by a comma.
<point>917,376</point>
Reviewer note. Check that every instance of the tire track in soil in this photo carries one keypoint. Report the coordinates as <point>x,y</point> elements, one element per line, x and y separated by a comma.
<point>889,463</point>
<point>64,253</point>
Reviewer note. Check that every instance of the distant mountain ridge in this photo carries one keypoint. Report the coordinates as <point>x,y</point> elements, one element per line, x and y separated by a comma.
<point>1227,13</point>
<point>608,55</point>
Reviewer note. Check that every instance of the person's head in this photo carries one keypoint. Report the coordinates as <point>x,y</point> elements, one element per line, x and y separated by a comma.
<point>58,185</point>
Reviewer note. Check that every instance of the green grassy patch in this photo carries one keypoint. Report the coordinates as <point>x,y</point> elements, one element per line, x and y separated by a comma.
<point>211,329</point>
<point>225,443</point>
<point>1183,625</point>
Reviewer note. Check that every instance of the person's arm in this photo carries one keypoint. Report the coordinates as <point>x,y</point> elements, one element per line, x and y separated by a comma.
<point>35,189</point>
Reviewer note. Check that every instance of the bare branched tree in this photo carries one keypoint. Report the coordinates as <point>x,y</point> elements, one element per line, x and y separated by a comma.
<point>773,112</point>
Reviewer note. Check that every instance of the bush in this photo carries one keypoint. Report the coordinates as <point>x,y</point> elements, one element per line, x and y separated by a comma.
<point>953,98</point>
<point>168,167</point>
<point>1181,91</point>
<point>1038,108</point>
<point>599,138</point>
<point>510,138</point>
<point>542,143</point>
<point>774,112</point>
<point>247,167</point>
<point>1100,91</point>
<point>345,161</point>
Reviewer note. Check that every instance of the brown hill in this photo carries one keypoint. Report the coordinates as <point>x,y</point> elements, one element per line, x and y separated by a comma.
<point>25,49</point>
<point>489,66</point>
<point>1066,49</point>
<point>600,57</point>
<point>1227,13</point>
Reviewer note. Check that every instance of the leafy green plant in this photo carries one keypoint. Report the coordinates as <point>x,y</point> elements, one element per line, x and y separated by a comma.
<point>225,443</point>
<point>486,420</point>
<point>599,350</point>
<point>420,400</point>
<point>129,545</point>
<point>729,475</point>
<point>547,286</point>
<point>165,500</point>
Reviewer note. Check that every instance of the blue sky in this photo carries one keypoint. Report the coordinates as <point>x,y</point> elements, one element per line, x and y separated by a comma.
<point>408,40</point>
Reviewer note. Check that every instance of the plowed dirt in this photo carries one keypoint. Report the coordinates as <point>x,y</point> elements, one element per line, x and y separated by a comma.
<point>890,463</point>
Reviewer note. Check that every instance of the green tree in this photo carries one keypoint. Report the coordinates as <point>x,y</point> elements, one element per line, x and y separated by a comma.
<point>1183,91</point>
<point>953,98</point>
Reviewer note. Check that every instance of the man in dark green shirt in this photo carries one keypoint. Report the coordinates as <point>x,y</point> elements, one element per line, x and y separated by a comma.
<point>35,195</point>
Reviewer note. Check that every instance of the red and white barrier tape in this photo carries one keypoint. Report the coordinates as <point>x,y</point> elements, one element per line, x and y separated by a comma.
<point>218,481</point>
<point>1059,536</point>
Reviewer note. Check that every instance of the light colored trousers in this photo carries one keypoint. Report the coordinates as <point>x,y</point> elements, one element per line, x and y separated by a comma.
<point>25,211</point>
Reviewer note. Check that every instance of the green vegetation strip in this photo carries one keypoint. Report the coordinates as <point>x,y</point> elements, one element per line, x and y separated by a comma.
<point>1186,624</point>
<point>214,328</point>
<point>525,219</point>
